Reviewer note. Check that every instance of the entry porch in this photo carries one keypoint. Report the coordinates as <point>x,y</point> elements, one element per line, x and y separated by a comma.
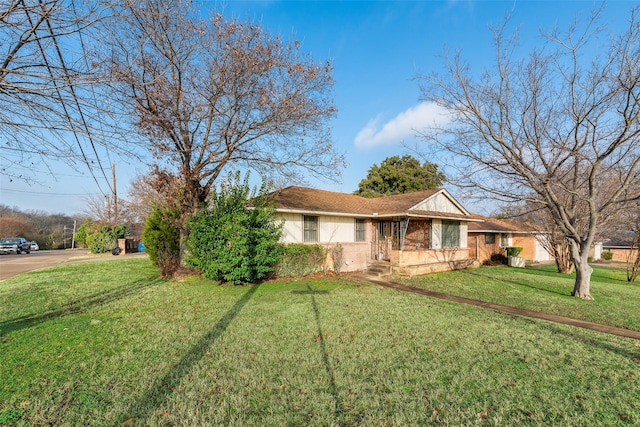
<point>415,246</point>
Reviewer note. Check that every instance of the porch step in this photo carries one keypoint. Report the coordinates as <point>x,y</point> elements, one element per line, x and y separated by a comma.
<point>379,268</point>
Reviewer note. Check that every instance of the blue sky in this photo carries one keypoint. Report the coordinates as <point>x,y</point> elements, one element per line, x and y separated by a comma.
<point>377,49</point>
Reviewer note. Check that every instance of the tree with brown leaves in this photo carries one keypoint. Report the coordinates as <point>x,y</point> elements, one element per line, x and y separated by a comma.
<point>217,93</point>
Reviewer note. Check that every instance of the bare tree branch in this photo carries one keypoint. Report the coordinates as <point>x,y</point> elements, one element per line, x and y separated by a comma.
<point>207,95</point>
<point>549,127</point>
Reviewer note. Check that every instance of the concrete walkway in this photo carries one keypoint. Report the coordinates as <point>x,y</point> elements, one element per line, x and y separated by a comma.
<point>507,309</point>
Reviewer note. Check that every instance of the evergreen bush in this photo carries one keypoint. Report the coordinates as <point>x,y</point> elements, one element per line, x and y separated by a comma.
<point>102,238</point>
<point>236,239</point>
<point>301,260</point>
<point>513,250</point>
<point>161,239</point>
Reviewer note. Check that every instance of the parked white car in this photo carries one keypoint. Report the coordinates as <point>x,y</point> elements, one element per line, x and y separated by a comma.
<point>34,246</point>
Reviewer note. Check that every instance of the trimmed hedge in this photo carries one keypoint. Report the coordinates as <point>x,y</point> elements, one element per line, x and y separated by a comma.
<point>513,250</point>
<point>301,260</point>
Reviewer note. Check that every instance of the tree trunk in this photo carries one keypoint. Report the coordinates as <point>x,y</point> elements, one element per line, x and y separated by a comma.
<point>195,199</point>
<point>633,274</point>
<point>182,255</point>
<point>562,252</point>
<point>580,256</point>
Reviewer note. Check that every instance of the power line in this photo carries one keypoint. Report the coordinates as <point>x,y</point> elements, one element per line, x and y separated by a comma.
<point>75,97</point>
<point>45,18</point>
<point>41,193</point>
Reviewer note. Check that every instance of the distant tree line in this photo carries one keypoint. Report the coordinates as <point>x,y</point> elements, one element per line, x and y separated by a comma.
<point>50,231</point>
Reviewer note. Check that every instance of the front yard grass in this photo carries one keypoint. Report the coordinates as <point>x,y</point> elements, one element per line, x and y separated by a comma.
<point>109,343</point>
<point>545,290</point>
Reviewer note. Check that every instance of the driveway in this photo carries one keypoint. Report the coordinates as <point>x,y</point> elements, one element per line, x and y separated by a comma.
<point>12,265</point>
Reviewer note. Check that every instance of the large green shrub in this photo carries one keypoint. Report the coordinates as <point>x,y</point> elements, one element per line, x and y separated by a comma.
<point>301,260</point>
<point>607,255</point>
<point>102,238</point>
<point>236,239</point>
<point>161,238</point>
<point>83,231</point>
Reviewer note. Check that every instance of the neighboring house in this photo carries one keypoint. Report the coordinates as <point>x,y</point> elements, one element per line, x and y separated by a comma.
<point>493,235</point>
<point>414,233</point>
<point>622,251</point>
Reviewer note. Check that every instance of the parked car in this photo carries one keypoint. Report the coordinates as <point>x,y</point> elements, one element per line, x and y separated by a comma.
<point>16,245</point>
<point>34,246</point>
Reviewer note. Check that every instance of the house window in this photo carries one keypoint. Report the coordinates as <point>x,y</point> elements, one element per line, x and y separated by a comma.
<point>310,228</point>
<point>360,227</point>
<point>489,239</point>
<point>504,240</point>
<point>450,234</point>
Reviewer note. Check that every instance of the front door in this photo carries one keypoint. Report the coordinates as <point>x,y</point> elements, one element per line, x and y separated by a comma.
<point>388,237</point>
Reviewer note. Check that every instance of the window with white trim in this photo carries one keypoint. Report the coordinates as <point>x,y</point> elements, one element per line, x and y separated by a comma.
<point>310,228</point>
<point>360,230</point>
<point>450,234</point>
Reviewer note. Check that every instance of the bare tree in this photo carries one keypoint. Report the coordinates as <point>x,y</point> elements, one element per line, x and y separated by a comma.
<point>47,108</point>
<point>143,196</point>
<point>633,259</point>
<point>626,230</point>
<point>550,237</point>
<point>547,126</point>
<point>207,94</point>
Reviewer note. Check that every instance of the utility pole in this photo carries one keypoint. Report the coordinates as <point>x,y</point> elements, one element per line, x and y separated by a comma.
<point>73,236</point>
<point>115,195</point>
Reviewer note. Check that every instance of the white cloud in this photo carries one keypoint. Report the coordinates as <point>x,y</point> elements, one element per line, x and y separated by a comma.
<point>401,127</point>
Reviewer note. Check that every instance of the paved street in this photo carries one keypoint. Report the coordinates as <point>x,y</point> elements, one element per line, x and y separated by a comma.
<point>11,265</point>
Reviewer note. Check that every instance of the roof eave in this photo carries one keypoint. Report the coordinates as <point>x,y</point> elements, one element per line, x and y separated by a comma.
<point>326,213</point>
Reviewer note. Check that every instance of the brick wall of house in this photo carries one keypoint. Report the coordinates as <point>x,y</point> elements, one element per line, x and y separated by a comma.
<point>623,254</point>
<point>528,245</point>
<point>480,250</point>
<point>355,256</point>
<point>417,236</point>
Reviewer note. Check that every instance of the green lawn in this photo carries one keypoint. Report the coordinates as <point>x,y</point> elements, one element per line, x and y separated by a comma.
<point>542,289</point>
<point>108,343</point>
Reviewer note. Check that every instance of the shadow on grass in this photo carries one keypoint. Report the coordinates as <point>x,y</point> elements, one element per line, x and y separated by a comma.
<point>515,282</point>
<point>140,410</point>
<point>601,273</point>
<point>77,306</point>
<point>323,349</point>
<point>576,335</point>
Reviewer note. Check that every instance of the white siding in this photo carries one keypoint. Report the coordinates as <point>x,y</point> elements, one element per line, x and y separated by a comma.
<point>332,229</point>
<point>438,203</point>
<point>463,234</point>
<point>541,252</point>
<point>292,230</point>
<point>597,251</point>
<point>436,234</point>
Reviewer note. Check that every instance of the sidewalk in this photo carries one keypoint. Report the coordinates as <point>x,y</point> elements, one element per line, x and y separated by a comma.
<point>507,309</point>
